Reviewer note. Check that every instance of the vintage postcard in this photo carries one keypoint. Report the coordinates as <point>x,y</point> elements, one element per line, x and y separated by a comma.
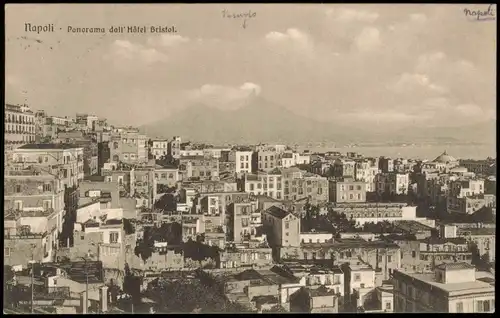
<point>237,158</point>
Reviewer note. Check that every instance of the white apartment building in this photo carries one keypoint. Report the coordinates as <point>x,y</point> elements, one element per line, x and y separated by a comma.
<point>19,126</point>
<point>159,148</point>
<point>243,160</point>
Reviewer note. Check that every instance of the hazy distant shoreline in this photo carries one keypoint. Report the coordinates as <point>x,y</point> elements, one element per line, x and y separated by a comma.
<point>425,151</point>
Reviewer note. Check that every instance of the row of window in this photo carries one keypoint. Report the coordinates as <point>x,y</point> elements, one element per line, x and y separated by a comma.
<point>20,118</point>
<point>20,128</point>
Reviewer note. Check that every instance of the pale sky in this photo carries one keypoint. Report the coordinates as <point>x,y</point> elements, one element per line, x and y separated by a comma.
<point>393,65</point>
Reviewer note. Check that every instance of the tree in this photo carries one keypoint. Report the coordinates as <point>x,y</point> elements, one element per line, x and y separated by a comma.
<point>145,247</point>
<point>132,285</point>
<point>128,227</point>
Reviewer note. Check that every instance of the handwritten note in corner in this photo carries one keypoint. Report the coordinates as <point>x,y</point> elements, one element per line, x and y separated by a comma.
<point>481,15</point>
<point>241,16</point>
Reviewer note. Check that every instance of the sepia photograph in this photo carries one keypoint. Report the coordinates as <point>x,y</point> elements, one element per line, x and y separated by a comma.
<point>249,158</point>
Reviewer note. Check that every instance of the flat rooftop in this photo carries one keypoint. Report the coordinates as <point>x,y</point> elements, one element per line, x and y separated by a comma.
<point>465,287</point>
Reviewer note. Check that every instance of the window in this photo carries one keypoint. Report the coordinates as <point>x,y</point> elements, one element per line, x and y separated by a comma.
<point>460,307</point>
<point>287,225</point>
<point>313,255</point>
<point>18,188</point>
<point>389,259</point>
<point>18,205</point>
<point>348,254</point>
<point>388,306</point>
<point>357,277</point>
<point>47,204</point>
<point>413,254</point>
<point>113,237</point>
<point>351,187</point>
<point>305,255</point>
<point>6,251</point>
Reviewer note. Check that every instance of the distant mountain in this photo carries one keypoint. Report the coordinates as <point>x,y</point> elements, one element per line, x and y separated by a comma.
<point>258,121</point>
<point>484,132</point>
<point>263,121</point>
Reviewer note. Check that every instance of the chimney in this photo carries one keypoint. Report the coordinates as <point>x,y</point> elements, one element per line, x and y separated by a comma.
<point>83,302</point>
<point>103,299</point>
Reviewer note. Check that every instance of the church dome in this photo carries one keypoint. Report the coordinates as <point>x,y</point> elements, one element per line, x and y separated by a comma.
<point>445,158</point>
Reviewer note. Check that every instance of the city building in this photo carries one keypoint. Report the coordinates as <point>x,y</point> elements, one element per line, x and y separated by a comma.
<point>299,184</point>
<point>86,122</point>
<point>264,183</point>
<point>377,212</point>
<point>264,160</point>
<point>19,126</point>
<point>470,204</point>
<point>392,183</point>
<point>174,147</point>
<point>365,171</point>
<point>347,190</point>
<point>451,288</point>
<point>344,168</point>
<point>90,149</point>
<point>159,148</point>
<point>282,227</point>
<point>242,159</point>
<point>63,160</point>
<point>128,146</point>
<point>198,168</point>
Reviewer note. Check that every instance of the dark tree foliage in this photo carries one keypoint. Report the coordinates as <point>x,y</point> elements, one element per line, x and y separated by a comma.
<point>340,222</point>
<point>198,251</point>
<point>170,233</point>
<point>145,247</point>
<point>128,227</point>
<point>192,295</point>
<point>132,285</point>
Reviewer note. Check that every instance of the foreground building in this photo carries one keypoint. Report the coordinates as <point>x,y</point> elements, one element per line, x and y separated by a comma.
<point>452,288</point>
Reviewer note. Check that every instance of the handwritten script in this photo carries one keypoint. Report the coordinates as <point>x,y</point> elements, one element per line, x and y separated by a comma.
<point>481,15</point>
<point>243,16</point>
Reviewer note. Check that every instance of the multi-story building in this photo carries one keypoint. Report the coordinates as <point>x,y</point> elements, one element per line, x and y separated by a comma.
<point>286,160</point>
<point>359,282</point>
<point>386,165</point>
<point>376,212</point>
<point>282,227</point>
<point>404,166</point>
<point>299,184</point>
<point>243,160</point>
<point>466,187</point>
<point>480,167</point>
<point>344,168</point>
<point>199,168</point>
<point>143,186</point>
<point>128,146</point>
<point>86,121</point>
<point>90,149</point>
<point>268,184</point>
<point>366,172</point>
<point>264,160</point>
<point>483,238</point>
<point>174,147</point>
<point>347,190</point>
<point>470,204</point>
<point>168,176</point>
<point>103,155</point>
<point>19,126</point>
<point>242,223</point>
<point>159,148</point>
<point>34,203</point>
<point>452,288</point>
<point>63,160</point>
<point>392,183</point>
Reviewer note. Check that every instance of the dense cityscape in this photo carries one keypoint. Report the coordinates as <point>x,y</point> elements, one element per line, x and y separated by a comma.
<point>105,219</point>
